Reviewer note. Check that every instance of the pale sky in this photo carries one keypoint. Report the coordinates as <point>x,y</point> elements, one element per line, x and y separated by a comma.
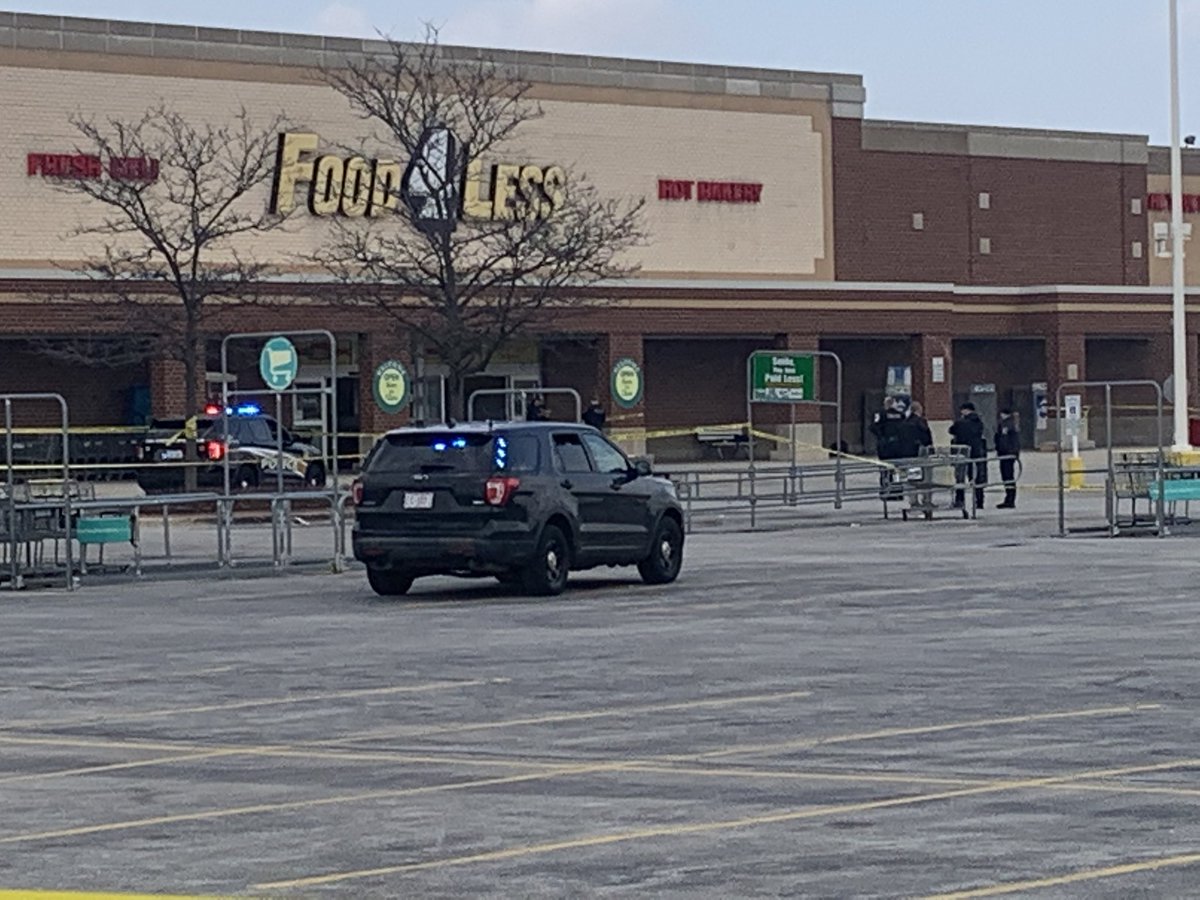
<point>1086,65</point>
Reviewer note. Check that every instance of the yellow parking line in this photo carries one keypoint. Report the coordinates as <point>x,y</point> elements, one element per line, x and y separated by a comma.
<point>134,716</point>
<point>92,895</point>
<point>116,767</point>
<point>1012,887</point>
<point>700,827</point>
<point>570,716</point>
<point>855,737</point>
<point>204,815</point>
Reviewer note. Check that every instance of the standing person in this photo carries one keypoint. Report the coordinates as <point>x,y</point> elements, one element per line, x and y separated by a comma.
<point>920,425</point>
<point>594,415</point>
<point>1008,448</point>
<point>968,432</point>
<point>535,411</point>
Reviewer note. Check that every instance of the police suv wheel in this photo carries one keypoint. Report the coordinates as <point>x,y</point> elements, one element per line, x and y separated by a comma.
<point>546,574</point>
<point>666,554</point>
<point>389,582</point>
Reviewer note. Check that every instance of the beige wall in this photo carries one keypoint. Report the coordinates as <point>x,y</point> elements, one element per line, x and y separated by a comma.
<point>1160,266</point>
<point>624,150</point>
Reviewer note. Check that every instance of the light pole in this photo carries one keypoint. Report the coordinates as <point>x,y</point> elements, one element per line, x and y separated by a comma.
<point>1178,307</point>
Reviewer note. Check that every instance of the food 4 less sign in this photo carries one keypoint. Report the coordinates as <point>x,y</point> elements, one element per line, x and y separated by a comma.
<point>781,378</point>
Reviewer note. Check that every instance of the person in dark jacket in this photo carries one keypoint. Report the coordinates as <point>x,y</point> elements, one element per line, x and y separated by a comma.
<point>920,425</point>
<point>968,432</point>
<point>594,415</point>
<point>1008,448</point>
<point>535,409</point>
<point>896,433</point>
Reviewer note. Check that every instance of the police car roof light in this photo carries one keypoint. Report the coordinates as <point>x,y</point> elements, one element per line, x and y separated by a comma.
<point>248,409</point>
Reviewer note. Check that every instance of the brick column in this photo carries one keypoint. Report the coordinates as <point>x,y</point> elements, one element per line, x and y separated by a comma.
<point>628,425</point>
<point>168,389</point>
<point>374,349</point>
<point>936,396</point>
<point>1065,360</point>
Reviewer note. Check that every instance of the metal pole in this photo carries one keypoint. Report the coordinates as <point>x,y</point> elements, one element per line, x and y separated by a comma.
<point>1110,483</point>
<point>166,517</point>
<point>1159,517</point>
<point>12,497</point>
<point>837,490</point>
<point>331,468</point>
<point>66,454</point>
<point>1058,453</point>
<point>278,442</point>
<point>750,424</point>
<point>1178,306</point>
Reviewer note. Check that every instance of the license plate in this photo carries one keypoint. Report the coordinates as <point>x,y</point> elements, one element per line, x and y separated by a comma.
<point>171,454</point>
<point>418,500</point>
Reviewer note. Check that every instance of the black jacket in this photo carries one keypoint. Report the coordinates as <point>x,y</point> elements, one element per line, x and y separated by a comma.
<point>924,435</point>
<point>896,435</point>
<point>968,432</point>
<point>593,416</point>
<point>1008,438</point>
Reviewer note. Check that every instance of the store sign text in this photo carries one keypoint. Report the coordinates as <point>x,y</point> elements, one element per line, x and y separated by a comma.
<point>709,191</point>
<point>1162,202</point>
<point>357,186</point>
<point>91,166</point>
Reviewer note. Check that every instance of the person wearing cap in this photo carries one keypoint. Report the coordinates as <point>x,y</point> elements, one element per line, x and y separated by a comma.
<point>968,432</point>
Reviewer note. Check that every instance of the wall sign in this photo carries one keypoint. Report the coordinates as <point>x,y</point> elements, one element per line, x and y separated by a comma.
<point>627,383</point>
<point>356,186</point>
<point>709,191</point>
<point>1162,202</point>
<point>390,386</point>
<point>91,166</point>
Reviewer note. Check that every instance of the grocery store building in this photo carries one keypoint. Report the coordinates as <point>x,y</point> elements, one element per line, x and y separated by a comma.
<point>962,261</point>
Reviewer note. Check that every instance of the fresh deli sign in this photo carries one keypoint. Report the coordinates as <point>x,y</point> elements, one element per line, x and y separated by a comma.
<point>355,186</point>
<point>710,191</point>
<point>90,166</point>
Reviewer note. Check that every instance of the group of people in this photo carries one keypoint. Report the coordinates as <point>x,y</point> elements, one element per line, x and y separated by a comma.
<point>901,432</point>
<point>535,411</point>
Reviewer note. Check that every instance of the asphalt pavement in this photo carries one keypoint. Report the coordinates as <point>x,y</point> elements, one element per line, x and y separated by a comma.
<point>859,708</point>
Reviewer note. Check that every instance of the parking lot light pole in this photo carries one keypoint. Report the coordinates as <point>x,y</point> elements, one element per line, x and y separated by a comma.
<point>1178,306</point>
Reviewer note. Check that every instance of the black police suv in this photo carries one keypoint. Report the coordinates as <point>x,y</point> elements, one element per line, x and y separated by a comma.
<point>526,502</point>
<point>249,439</point>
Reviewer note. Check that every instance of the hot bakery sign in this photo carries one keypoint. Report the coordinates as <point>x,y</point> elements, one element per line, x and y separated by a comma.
<point>686,189</point>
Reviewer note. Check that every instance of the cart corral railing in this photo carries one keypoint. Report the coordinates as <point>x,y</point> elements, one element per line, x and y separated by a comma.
<point>58,533</point>
<point>942,481</point>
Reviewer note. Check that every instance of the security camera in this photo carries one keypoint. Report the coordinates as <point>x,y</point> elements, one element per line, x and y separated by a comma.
<point>1190,140</point>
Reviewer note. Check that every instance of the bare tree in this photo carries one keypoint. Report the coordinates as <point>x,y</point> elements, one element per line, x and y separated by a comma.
<point>461,271</point>
<point>174,200</point>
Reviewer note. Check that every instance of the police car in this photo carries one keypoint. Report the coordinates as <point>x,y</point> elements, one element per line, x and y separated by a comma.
<point>250,440</point>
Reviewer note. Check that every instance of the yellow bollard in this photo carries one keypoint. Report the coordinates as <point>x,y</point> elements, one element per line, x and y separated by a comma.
<point>1074,472</point>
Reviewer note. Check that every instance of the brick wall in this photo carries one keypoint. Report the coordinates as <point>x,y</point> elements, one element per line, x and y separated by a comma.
<point>1048,221</point>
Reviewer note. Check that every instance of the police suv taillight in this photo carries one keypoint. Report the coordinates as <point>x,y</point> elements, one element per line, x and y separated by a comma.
<point>356,492</point>
<point>499,490</point>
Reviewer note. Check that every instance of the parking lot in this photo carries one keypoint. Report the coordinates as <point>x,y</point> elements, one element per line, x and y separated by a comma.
<point>868,709</point>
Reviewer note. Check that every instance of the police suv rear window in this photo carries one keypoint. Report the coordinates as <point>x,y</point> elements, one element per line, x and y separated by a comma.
<point>449,451</point>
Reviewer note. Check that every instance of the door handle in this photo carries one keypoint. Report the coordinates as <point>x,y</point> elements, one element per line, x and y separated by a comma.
<point>567,483</point>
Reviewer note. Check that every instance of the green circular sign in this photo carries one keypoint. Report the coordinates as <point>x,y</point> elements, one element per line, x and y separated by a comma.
<point>391,386</point>
<point>627,383</point>
<point>278,363</point>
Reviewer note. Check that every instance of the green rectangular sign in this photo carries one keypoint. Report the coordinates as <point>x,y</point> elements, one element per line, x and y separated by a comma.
<point>782,378</point>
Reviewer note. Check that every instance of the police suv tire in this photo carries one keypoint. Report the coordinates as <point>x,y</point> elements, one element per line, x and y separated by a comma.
<point>314,475</point>
<point>666,553</point>
<point>246,477</point>
<point>546,574</point>
<point>389,582</point>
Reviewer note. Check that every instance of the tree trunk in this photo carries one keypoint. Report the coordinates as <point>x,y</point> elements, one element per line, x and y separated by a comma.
<point>191,402</point>
<point>456,401</point>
